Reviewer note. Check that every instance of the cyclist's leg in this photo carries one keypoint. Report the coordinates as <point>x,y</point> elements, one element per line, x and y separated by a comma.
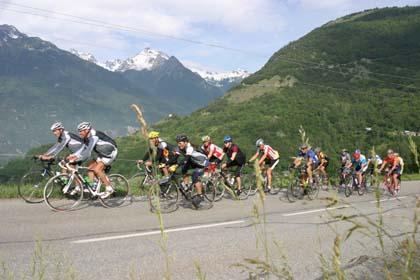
<point>273,164</point>
<point>196,179</point>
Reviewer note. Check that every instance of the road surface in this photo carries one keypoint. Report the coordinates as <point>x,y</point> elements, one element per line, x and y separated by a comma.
<point>125,243</point>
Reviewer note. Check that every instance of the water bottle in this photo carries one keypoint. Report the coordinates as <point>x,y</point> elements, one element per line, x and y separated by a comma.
<point>94,185</point>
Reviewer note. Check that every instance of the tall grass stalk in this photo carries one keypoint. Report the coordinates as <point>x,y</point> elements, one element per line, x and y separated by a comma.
<point>413,148</point>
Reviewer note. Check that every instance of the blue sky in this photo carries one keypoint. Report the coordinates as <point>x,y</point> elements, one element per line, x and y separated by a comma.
<point>256,27</point>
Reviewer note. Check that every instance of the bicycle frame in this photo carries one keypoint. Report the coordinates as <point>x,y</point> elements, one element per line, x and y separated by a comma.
<point>76,175</point>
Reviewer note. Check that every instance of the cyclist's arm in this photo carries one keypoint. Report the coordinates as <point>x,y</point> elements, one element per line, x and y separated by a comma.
<point>263,157</point>
<point>58,147</point>
<point>254,157</point>
<point>85,153</point>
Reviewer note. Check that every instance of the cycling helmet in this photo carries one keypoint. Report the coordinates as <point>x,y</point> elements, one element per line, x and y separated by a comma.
<point>83,126</point>
<point>227,138</point>
<point>153,134</point>
<point>390,151</point>
<point>259,142</point>
<point>205,138</point>
<point>303,146</point>
<point>344,151</point>
<point>357,152</point>
<point>57,125</point>
<point>181,138</point>
<point>317,149</point>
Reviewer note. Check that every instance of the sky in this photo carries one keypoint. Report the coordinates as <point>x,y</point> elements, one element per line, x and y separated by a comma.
<point>215,35</point>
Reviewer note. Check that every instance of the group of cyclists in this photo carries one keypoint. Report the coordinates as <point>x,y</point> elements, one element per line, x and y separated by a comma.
<point>199,161</point>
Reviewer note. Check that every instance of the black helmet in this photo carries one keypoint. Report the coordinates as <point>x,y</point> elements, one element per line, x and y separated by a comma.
<point>181,138</point>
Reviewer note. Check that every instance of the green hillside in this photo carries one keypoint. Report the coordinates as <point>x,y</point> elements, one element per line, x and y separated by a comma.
<point>360,71</point>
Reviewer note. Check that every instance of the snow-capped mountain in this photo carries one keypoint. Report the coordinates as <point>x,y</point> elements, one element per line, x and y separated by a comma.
<point>85,56</point>
<point>147,59</point>
<point>223,80</point>
<point>8,32</point>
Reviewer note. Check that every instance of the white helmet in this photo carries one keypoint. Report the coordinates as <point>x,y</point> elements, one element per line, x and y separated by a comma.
<point>56,125</point>
<point>259,142</point>
<point>83,126</point>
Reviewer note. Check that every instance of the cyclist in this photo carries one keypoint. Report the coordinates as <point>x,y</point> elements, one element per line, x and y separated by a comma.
<point>345,159</point>
<point>395,169</point>
<point>106,150</point>
<point>64,139</point>
<point>323,162</point>
<point>166,155</point>
<point>401,162</point>
<point>195,160</point>
<point>235,157</point>
<point>212,151</point>
<point>312,162</point>
<point>360,165</point>
<point>269,156</point>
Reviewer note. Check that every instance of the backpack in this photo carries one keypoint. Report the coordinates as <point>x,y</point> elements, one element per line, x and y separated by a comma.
<point>106,138</point>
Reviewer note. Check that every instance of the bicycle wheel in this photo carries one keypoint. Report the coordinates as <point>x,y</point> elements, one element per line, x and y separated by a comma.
<point>294,191</point>
<point>361,190</point>
<point>312,191</point>
<point>348,186</point>
<point>121,191</point>
<point>31,187</point>
<point>253,186</point>
<point>247,181</point>
<point>62,193</point>
<point>219,188</point>
<point>164,199</point>
<point>209,191</point>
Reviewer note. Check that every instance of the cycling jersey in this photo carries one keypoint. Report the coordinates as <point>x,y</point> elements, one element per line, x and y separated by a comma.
<point>271,153</point>
<point>240,156</point>
<point>67,139</point>
<point>345,158</point>
<point>360,164</point>
<point>310,154</point>
<point>193,159</point>
<point>212,148</point>
<point>165,153</point>
<point>99,143</point>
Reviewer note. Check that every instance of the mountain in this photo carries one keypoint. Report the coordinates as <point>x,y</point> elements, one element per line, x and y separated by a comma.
<point>40,83</point>
<point>223,80</point>
<point>149,59</point>
<point>351,83</point>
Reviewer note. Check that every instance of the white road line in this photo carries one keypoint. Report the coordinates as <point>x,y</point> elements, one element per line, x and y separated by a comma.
<point>314,211</point>
<point>389,199</point>
<point>155,232</point>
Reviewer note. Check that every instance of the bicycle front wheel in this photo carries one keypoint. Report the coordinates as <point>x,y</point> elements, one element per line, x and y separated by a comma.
<point>248,182</point>
<point>120,194</point>
<point>31,187</point>
<point>348,186</point>
<point>164,199</point>
<point>312,191</point>
<point>62,193</point>
<point>294,191</point>
<point>220,190</point>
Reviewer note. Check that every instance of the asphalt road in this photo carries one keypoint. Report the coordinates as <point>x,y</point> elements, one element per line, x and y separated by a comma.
<point>125,243</point>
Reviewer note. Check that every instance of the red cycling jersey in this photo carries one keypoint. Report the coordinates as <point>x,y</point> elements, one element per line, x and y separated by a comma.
<point>217,151</point>
<point>271,153</point>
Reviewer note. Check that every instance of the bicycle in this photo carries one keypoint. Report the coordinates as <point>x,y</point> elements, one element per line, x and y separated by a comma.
<point>387,186</point>
<point>31,186</point>
<point>64,192</point>
<point>164,194</point>
<point>355,185</point>
<point>301,185</point>
<point>225,181</point>
<point>263,178</point>
<point>143,178</point>
<point>321,179</point>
